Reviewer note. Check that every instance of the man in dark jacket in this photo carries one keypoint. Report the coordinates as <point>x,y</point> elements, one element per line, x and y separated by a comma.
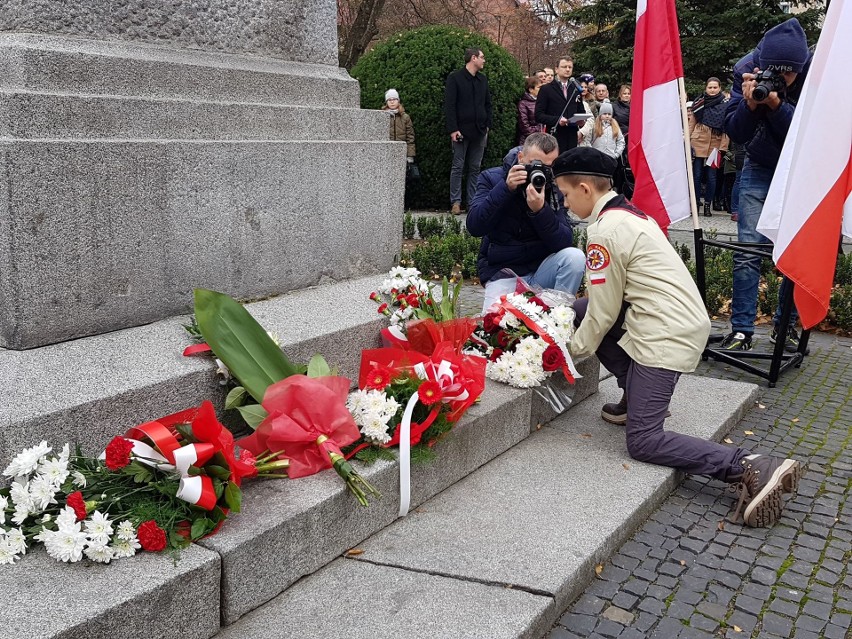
<point>762,126</point>
<point>520,230</point>
<point>557,102</point>
<point>467,111</point>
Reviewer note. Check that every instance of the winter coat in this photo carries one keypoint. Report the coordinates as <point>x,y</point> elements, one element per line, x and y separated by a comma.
<point>467,104</point>
<point>704,139</point>
<point>606,142</point>
<point>512,237</point>
<point>621,114</point>
<point>763,130</point>
<point>526,118</point>
<point>401,129</point>
<point>550,104</point>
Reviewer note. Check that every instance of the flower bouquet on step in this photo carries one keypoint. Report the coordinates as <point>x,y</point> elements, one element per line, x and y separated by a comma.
<point>524,336</point>
<point>405,296</point>
<point>160,486</point>
<point>298,412</point>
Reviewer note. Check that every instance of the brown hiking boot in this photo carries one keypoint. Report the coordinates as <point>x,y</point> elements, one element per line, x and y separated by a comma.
<point>761,486</point>
<point>456,210</point>
<point>617,413</point>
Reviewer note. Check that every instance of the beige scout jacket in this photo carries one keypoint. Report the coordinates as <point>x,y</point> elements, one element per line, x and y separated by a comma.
<point>630,260</point>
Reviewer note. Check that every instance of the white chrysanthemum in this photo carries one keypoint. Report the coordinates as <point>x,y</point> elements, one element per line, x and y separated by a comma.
<point>98,526</point>
<point>4,503</point>
<point>17,541</point>
<point>509,321</point>
<point>54,470</point>
<point>528,347</point>
<point>99,551</point>
<point>67,519</point>
<point>20,515</point>
<point>562,315</point>
<point>20,494</point>
<point>27,460</point>
<point>65,545</point>
<point>376,430</point>
<point>65,453</point>
<point>78,479</point>
<point>42,493</point>
<point>126,531</point>
<point>7,553</point>
<point>123,548</point>
<point>46,517</point>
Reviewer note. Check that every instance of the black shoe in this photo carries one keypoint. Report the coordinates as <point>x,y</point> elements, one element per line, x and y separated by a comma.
<point>737,341</point>
<point>718,206</point>
<point>761,486</point>
<point>791,344</point>
<point>707,212</point>
<point>617,413</point>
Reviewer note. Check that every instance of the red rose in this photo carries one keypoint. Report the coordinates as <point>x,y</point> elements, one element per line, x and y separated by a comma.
<point>75,500</point>
<point>537,301</point>
<point>413,300</point>
<point>378,379</point>
<point>495,354</point>
<point>151,537</point>
<point>503,339</point>
<point>249,459</point>
<point>118,453</point>
<point>552,359</point>
<point>429,392</point>
<point>491,323</point>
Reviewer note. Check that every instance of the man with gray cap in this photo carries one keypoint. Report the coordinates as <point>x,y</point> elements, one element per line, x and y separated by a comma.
<point>760,119</point>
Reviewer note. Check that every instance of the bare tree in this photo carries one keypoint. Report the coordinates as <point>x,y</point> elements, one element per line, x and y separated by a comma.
<point>357,26</point>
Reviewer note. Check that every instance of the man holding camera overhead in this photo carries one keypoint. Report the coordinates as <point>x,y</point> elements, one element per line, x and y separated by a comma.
<point>767,84</point>
<point>523,226</point>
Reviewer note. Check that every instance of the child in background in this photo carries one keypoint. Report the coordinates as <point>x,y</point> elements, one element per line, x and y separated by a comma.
<point>606,134</point>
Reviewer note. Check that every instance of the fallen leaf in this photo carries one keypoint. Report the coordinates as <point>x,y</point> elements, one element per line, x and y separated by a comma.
<point>737,628</point>
<point>728,440</point>
<point>795,420</point>
<point>682,562</point>
<point>748,432</point>
<point>354,552</point>
<point>585,434</point>
<point>626,466</point>
<point>721,524</point>
<point>598,569</point>
<point>538,426</point>
<point>761,406</point>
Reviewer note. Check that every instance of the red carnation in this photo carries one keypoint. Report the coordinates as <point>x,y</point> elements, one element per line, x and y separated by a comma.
<point>429,392</point>
<point>151,537</point>
<point>428,302</point>
<point>118,453</point>
<point>413,300</point>
<point>503,339</point>
<point>378,379</point>
<point>374,296</point>
<point>553,358</point>
<point>383,308</point>
<point>75,500</point>
<point>491,323</point>
<point>249,459</point>
<point>495,354</point>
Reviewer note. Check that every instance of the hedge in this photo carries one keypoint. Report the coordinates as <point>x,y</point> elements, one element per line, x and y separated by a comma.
<point>416,63</point>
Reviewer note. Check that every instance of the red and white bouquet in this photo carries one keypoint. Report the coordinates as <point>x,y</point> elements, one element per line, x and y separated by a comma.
<point>525,338</point>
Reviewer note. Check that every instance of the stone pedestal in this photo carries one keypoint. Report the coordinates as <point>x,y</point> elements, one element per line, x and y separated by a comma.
<point>148,148</point>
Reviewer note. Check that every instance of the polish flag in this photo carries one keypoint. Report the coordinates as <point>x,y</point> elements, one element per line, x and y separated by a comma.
<point>810,199</point>
<point>714,160</point>
<point>656,149</point>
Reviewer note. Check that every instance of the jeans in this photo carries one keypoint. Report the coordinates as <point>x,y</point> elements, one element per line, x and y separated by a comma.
<point>562,271</point>
<point>472,150</point>
<point>649,392</point>
<point>698,170</point>
<point>735,194</point>
<point>754,185</point>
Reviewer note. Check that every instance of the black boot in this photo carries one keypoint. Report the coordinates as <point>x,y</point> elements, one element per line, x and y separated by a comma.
<point>707,212</point>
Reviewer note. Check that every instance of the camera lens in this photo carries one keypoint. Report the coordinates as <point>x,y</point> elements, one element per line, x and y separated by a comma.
<point>761,92</point>
<point>538,180</point>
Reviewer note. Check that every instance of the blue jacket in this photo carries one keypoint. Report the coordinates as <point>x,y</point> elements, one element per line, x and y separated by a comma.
<point>511,236</point>
<point>762,130</point>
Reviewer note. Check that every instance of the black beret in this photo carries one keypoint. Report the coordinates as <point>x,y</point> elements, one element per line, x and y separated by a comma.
<point>584,160</point>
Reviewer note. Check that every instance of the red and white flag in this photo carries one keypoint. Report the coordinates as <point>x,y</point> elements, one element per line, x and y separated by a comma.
<point>809,201</point>
<point>714,160</point>
<point>656,150</point>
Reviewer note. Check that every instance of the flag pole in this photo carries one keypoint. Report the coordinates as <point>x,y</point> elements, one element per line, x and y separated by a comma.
<point>693,205</point>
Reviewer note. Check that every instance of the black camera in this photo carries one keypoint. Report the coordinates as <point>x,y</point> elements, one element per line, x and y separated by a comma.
<point>538,175</point>
<point>767,82</point>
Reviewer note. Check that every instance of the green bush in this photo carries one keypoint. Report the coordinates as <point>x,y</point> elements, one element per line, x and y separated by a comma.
<point>408,226</point>
<point>444,254</point>
<point>718,276</point>
<point>840,311</point>
<point>416,63</point>
<point>843,273</point>
<point>767,298</point>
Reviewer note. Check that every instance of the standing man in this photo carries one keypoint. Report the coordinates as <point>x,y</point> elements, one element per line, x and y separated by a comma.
<point>601,92</point>
<point>467,110</point>
<point>557,102</point>
<point>548,75</point>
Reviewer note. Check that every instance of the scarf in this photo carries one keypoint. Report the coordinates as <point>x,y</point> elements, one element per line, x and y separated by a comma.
<point>710,111</point>
<point>392,111</point>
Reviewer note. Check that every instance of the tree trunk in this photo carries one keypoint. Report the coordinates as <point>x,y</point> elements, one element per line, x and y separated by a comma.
<point>361,33</point>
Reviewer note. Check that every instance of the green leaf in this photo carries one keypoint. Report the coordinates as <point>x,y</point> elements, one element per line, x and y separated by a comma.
<point>233,497</point>
<point>199,528</point>
<point>253,414</point>
<point>318,367</point>
<point>218,472</point>
<point>141,473</point>
<point>446,302</point>
<point>240,342</point>
<point>236,397</point>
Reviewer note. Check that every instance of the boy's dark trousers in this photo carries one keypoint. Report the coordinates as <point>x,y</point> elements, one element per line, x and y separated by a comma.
<point>649,391</point>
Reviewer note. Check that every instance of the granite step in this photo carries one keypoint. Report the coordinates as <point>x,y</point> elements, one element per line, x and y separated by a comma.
<point>501,553</point>
<point>287,530</point>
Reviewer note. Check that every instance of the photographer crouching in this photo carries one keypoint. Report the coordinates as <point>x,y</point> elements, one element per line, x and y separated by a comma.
<point>767,85</point>
<point>524,227</point>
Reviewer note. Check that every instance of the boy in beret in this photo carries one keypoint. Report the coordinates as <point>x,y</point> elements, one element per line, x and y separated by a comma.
<point>645,320</point>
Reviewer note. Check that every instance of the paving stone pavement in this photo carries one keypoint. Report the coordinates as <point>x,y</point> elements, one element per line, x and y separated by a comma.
<point>690,573</point>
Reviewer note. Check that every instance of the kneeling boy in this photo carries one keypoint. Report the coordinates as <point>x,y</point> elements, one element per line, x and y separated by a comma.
<point>645,320</point>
